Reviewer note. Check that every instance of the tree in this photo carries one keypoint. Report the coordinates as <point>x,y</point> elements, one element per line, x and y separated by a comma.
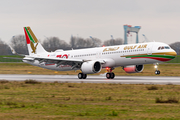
<point>4,49</point>
<point>54,43</point>
<point>19,44</point>
<point>111,42</point>
<point>78,42</point>
<point>176,47</point>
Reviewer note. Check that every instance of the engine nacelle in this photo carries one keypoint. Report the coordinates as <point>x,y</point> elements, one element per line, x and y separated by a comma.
<point>91,67</point>
<point>133,68</point>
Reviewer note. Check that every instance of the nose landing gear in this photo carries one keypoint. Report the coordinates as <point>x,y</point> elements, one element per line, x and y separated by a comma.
<point>157,72</point>
<point>110,74</point>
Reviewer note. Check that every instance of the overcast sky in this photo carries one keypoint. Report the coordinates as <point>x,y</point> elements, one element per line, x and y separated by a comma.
<point>159,19</point>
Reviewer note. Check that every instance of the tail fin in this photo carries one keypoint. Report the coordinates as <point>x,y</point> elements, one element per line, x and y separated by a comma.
<point>34,47</point>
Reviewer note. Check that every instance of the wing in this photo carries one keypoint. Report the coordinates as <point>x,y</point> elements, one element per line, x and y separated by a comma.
<point>75,63</point>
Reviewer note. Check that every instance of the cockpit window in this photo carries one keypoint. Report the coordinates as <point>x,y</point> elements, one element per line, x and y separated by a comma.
<point>166,47</point>
<point>163,47</point>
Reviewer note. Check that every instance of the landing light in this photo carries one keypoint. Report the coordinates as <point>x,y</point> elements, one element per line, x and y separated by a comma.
<point>155,66</point>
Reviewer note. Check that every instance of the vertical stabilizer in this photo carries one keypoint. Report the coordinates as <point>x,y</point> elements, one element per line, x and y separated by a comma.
<point>34,47</point>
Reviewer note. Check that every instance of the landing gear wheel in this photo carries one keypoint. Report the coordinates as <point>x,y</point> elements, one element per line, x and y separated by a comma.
<point>110,75</point>
<point>157,72</point>
<point>82,76</point>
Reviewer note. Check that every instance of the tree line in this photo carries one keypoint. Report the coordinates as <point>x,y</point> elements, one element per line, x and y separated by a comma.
<point>53,43</point>
<point>50,44</point>
<point>176,47</point>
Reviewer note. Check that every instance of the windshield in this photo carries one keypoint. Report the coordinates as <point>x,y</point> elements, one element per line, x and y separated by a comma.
<point>163,47</point>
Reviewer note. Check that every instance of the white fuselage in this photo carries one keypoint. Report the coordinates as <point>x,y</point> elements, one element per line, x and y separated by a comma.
<point>111,56</point>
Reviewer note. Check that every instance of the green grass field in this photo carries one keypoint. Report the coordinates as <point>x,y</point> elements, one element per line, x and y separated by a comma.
<point>88,101</point>
<point>175,60</point>
<point>10,60</point>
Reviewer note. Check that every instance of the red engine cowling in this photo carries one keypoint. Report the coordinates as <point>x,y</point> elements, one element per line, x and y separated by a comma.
<point>91,67</point>
<point>133,68</point>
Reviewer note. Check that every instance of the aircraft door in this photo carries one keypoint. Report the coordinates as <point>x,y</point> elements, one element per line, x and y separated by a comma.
<point>98,55</point>
<point>149,49</point>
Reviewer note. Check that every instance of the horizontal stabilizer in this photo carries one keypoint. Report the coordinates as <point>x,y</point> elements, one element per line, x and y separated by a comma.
<point>13,58</point>
<point>14,52</point>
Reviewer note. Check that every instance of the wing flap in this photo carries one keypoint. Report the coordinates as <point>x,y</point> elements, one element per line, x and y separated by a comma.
<point>46,59</point>
<point>59,61</point>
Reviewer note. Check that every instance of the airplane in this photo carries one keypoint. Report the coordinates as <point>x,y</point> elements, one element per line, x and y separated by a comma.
<point>130,57</point>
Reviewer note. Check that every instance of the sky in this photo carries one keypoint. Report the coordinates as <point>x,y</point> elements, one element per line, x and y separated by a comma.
<point>159,19</point>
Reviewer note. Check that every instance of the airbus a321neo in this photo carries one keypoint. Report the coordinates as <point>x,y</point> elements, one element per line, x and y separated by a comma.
<point>130,57</point>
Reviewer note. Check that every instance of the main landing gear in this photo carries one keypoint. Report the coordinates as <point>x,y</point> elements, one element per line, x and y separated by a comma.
<point>157,72</point>
<point>110,74</point>
<point>82,76</point>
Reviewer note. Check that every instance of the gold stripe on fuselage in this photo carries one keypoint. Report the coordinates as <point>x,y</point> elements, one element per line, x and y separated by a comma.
<point>163,53</point>
<point>166,53</point>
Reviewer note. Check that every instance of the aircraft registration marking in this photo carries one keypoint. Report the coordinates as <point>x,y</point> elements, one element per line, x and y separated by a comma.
<point>111,49</point>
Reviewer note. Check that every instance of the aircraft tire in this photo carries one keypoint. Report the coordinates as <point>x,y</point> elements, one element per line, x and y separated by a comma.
<point>112,75</point>
<point>157,72</point>
<point>108,75</point>
<point>80,75</point>
<point>84,76</point>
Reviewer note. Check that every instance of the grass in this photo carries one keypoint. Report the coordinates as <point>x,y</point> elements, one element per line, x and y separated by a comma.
<point>32,82</point>
<point>175,60</point>
<point>2,59</point>
<point>152,87</point>
<point>23,68</point>
<point>169,100</point>
<point>87,101</point>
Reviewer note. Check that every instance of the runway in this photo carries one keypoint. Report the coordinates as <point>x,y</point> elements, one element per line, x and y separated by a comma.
<point>94,79</point>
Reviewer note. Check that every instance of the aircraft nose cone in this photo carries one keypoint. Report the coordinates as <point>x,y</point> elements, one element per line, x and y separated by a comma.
<point>173,53</point>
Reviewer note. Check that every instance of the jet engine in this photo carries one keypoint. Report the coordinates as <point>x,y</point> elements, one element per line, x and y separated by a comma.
<point>133,68</point>
<point>91,67</point>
